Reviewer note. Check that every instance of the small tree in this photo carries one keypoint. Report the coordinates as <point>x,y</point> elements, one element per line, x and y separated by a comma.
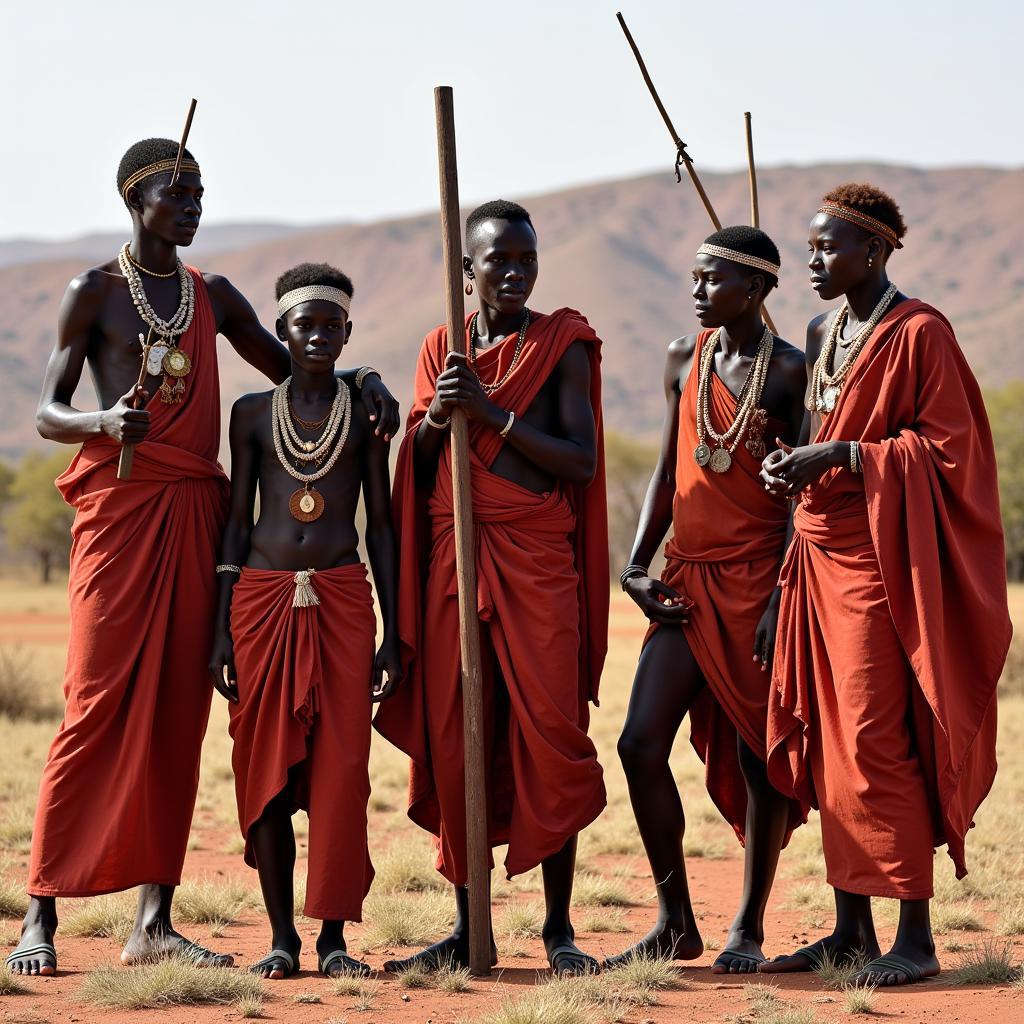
<point>37,519</point>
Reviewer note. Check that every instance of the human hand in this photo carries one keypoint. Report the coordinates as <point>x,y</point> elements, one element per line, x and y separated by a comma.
<point>381,406</point>
<point>787,471</point>
<point>123,422</point>
<point>222,666</point>
<point>764,636</point>
<point>458,388</point>
<point>660,603</point>
<point>386,662</point>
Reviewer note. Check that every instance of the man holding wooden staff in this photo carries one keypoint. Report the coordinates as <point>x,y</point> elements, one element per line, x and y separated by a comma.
<point>530,388</point>
<point>118,790</point>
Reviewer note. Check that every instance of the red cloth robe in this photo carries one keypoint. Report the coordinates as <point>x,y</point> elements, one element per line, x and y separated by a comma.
<point>724,554</point>
<point>119,787</point>
<point>542,567</point>
<point>304,677</point>
<point>894,624</point>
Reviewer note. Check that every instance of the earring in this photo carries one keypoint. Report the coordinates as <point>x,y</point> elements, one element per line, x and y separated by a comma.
<point>469,287</point>
<point>871,260</point>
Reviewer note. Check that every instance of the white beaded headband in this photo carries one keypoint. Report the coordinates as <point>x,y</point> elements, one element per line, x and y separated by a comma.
<point>187,167</point>
<point>310,292</point>
<point>739,257</point>
<point>862,220</point>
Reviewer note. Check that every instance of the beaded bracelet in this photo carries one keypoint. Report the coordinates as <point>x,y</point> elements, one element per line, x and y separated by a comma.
<point>508,425</point>
<point>632,571</point>
<point>362,373</point>
<point>431,422</point>
<point>854,457</point>
<point>229,568</point>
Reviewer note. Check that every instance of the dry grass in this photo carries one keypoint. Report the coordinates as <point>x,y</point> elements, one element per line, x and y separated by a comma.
<point>417,976</point>
<point>453,980</point>
<point>955,918</point>
<point>611,920</point>
<point>408,866</point>
<point>22,695</point>
<point>306,997</point>
<point>13,901</point>
<point>9,984</point>
<point>522,920</point>
<point>646,972</point>
<point>102,917</point>
<point>1011,921</point>
<point>16,827</point>
<point>169,983</point>
<point>859,998</point>
<point>592,890</point>
<point>838,972</point>
<point>546,1004</point>
<point>989,963</point>
<point>205,901</point>
<point>396,920</point>
<point>763,999</point>
<point>698,843</point>
<point>250,1007</point>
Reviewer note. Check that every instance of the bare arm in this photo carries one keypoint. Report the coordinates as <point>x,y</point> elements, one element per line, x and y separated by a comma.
<point>237,321</point>
<point>56,418</point>
<point>383,555</point>
<point>237,535</point>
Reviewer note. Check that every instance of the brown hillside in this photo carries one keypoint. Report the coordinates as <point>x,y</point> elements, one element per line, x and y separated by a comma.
<point>619,251</point>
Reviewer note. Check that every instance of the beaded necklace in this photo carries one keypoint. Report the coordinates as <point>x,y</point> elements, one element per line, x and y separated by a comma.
<point>489,389</point>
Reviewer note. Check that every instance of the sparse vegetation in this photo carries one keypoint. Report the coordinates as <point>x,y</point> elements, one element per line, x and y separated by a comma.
<point>250,1007</point>
<point>591,890</point>
<point>408,866</point>
<point>395,920</point>
<point>838,972</point>
<point>522,920</point>
<point>9,984</point>
<point>989,963</point>
<point>13,901</point>
<point>102,917</point>
<point>607,920</point>
<point>206,901</point>
<point>452,980</point>
<point>859,998</point>
<point>169,983</point>
<point>22,694</point>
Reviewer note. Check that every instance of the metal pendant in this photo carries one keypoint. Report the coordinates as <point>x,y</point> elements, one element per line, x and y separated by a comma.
<point>306,505</point>
<point>176,363</point>
<point>702,454</point>
<point>829,397</point>
<point>155,359</point>
<point>720,460</point>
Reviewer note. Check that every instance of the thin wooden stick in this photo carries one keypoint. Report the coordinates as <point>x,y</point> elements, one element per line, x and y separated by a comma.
<point>184,139</point>
<point>683,156</point>
<point>477,852</point>
<point>127,457</point>
<point>755,219</point>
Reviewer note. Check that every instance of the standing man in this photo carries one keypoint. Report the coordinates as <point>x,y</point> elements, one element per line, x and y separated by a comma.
<point>729,390</point>
<point>893,625</point>
<point>118,790</point>
<point>531,390</point>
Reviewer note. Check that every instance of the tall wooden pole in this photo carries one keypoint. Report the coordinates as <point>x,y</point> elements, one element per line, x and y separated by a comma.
<point>682,157</point>
<point>755,219</point>
<point>477,851</point>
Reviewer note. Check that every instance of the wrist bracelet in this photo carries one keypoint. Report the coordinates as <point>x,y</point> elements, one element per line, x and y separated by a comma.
<point>229,568</point>
<point>363,372</point>
<point>632,571</point>
<point>508,425</point>
<point>854,457</point>
<point>431,422</point>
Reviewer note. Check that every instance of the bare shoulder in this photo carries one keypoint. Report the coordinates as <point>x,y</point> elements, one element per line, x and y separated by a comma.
<point>816,335</point>
<point>790,362</point>
<point>247,410</point>
<point>91,286</point>
<point>682,348</point>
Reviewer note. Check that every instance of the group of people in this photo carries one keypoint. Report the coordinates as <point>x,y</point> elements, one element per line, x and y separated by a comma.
<point>832,614</point>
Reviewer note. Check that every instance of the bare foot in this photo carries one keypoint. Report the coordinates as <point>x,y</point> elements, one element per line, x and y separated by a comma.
<point>453,951</point>
<point>840,948</point>
<point>900,966</point>
<point>146,945</point>
<point>665,941</point>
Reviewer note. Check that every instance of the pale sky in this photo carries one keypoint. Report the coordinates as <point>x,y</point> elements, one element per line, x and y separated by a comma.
<point>313,111</point>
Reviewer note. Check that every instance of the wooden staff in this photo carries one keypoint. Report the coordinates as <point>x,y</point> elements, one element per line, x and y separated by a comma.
<point>184,139</point>
<point>124,463</point>
<point>682,156</point>
<point>477,852</point>
<point>755,219</point>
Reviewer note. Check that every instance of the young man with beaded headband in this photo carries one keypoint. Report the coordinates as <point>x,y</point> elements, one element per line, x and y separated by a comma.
<point>730,390</point>
<point>295,628</point>
<point>893,625</point>
<point>119,786</point>
<point>530,388</point>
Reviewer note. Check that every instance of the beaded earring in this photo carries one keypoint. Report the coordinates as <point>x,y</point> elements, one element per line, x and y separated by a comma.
<point>469,287</point>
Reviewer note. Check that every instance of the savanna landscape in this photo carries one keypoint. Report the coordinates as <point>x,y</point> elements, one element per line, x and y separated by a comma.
<point>979,922</point>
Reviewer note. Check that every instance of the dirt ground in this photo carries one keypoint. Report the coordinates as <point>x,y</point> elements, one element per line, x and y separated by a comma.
<point>33,622</point>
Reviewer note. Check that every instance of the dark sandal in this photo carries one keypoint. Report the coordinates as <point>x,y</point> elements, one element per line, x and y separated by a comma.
<point>893,963</point>
<point>567,949</point>
<point>735,954</point>
<point>275,956</point>
<point>350,964</point>
<point>32,952</point>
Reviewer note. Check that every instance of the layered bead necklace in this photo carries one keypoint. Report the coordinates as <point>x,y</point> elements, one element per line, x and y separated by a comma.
<point>307,504</point>
<point>489,389</point>
<point>719,459</point>
<point>163,357</point>
<point>825,387</point>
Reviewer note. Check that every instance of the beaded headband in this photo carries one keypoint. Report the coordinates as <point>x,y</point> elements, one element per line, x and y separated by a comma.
<point>187,167</point>
<point>739,257</point>
<point>310,292</point>
<point>862,220</point>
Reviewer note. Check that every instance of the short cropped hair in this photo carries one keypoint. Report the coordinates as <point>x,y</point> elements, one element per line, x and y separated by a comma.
<point>751,242</point>
<point>496,209</point>
<point>312,273</point>
<point>144,153</point>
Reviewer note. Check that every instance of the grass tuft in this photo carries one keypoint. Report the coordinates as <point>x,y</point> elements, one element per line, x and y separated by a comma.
<point>546,1004</point>
<point>592,890</point>
<point>13,901</point>
<point>1011,921</point>
<point>988,963</point>
<point>452,980</point>
<point>21,690</point>
<point>611,920</point>
<point>522,920</point>
<point>210,902</point>
<point>169,983</point>
<point>763,999</point>
<point>647,972</point>
<point>102,917</point>
<point>955,918</point>
<point>838,972</point>
<point>395,920</point>
<point>416,976</point>
<point>306,997</point>
<point>250,1007</point>
<point>407,866</point>
<point>859,998</point>
<point>9,984</point>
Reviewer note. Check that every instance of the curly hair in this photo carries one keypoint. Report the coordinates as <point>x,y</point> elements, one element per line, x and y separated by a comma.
<point>144,153</point>
<point>753,242</point>
<point>870,200</point>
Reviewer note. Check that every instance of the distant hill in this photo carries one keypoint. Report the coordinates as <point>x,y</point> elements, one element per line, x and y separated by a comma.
<point>619,251</point>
